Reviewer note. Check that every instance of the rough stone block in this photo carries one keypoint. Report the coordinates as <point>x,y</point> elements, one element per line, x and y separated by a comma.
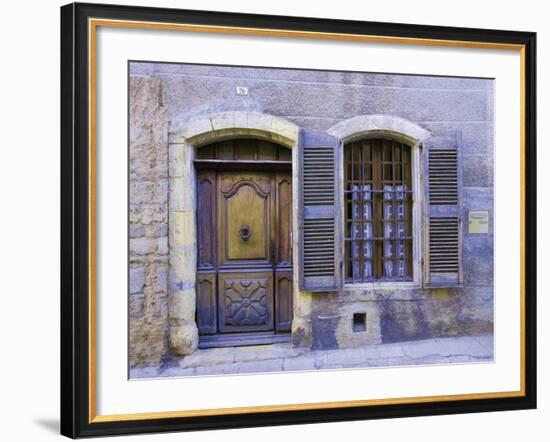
<point>160,191</point>
<point>160,214</point>
<point>161,306</point>
<point>137,305</point>
<point>141,192</point>
<point>147,339</point>
<point>161,279</point>
<point>143,246</point>
<point>146,216</point>
<point>136,230</point>
<point>157,230</point>
<point>137,280</point>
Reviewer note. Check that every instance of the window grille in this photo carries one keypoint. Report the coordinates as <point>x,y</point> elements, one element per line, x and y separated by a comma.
<point>378,211</point>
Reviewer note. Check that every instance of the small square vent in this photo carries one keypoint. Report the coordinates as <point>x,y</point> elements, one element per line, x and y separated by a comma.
<point>359,322</point>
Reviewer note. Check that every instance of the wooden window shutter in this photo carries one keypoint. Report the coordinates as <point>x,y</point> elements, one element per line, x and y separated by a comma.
<point>443,184</point>
<point>319,209</point>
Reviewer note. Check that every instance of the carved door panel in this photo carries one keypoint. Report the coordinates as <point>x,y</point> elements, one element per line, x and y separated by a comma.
<point>246,216</point>
<point>244,278</point>
<point>245,302</point>
<point>246,220</point>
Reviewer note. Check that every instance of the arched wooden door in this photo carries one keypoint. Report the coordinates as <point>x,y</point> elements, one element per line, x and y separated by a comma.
<point>244,278</point>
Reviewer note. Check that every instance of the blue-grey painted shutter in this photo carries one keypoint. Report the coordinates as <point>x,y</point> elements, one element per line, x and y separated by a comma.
<point>319,240</point>
<point>443,177</point>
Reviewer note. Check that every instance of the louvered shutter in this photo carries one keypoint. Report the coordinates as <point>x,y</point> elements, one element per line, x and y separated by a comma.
<point>443,173</point>
<point>319,240</point>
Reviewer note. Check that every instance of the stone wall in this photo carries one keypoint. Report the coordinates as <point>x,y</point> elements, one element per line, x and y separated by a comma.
<point>320,100</point>
<point>183,332</point>
<point>148,217</point>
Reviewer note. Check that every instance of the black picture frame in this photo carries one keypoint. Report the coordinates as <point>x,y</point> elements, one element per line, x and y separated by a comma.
<point>75,221</point>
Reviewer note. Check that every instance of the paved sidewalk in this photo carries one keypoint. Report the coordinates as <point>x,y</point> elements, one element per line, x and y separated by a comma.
<point>283,357</point>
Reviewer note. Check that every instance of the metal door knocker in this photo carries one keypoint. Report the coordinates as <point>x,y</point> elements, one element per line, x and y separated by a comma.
<point>245,233</point>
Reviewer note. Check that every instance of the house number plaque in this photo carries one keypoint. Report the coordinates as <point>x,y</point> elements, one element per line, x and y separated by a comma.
<point>478,221</point>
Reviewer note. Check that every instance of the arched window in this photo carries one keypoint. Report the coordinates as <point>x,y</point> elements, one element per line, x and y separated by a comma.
<point>378,211</point>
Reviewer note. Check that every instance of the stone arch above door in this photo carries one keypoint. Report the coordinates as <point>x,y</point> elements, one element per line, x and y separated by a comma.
<point>185,136</point>
<point>209,128</point>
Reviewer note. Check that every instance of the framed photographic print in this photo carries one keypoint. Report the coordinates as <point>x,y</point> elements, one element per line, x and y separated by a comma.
<point>275,220</point>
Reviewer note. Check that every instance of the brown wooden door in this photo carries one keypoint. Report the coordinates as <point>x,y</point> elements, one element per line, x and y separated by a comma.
<point>244,282</point>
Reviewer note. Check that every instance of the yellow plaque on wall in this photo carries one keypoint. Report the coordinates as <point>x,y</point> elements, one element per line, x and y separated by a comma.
<point>478,221</point>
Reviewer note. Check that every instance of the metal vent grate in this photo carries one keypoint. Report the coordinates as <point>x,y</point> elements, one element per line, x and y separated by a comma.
<point>318,176</point>
<point>443,176</point>
<point>444,245</point>
<point>318,247</point>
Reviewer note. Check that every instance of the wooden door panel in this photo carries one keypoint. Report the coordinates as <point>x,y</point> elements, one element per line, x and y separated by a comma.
<point>247,224</point>
<point>283,289</point>
<point>206,216</point>
<point>245,302</point>
<point>283,267</point>
<point>244,277</point>
<point>246,220</point>
<point>283,220</point>
<point>206,303</point>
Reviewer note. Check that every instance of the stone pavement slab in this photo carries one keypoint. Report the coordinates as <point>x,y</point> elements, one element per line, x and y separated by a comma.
<point>284,357</point>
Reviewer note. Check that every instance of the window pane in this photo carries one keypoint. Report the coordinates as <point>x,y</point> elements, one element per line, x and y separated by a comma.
<point>378,237</point>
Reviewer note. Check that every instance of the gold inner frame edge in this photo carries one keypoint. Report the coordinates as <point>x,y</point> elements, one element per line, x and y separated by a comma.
<point>93,24</point>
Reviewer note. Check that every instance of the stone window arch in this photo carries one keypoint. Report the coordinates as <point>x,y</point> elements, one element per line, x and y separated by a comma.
<point>400,130</point>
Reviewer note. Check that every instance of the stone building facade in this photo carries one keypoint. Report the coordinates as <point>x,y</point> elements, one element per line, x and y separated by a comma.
<point>177,109</point>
